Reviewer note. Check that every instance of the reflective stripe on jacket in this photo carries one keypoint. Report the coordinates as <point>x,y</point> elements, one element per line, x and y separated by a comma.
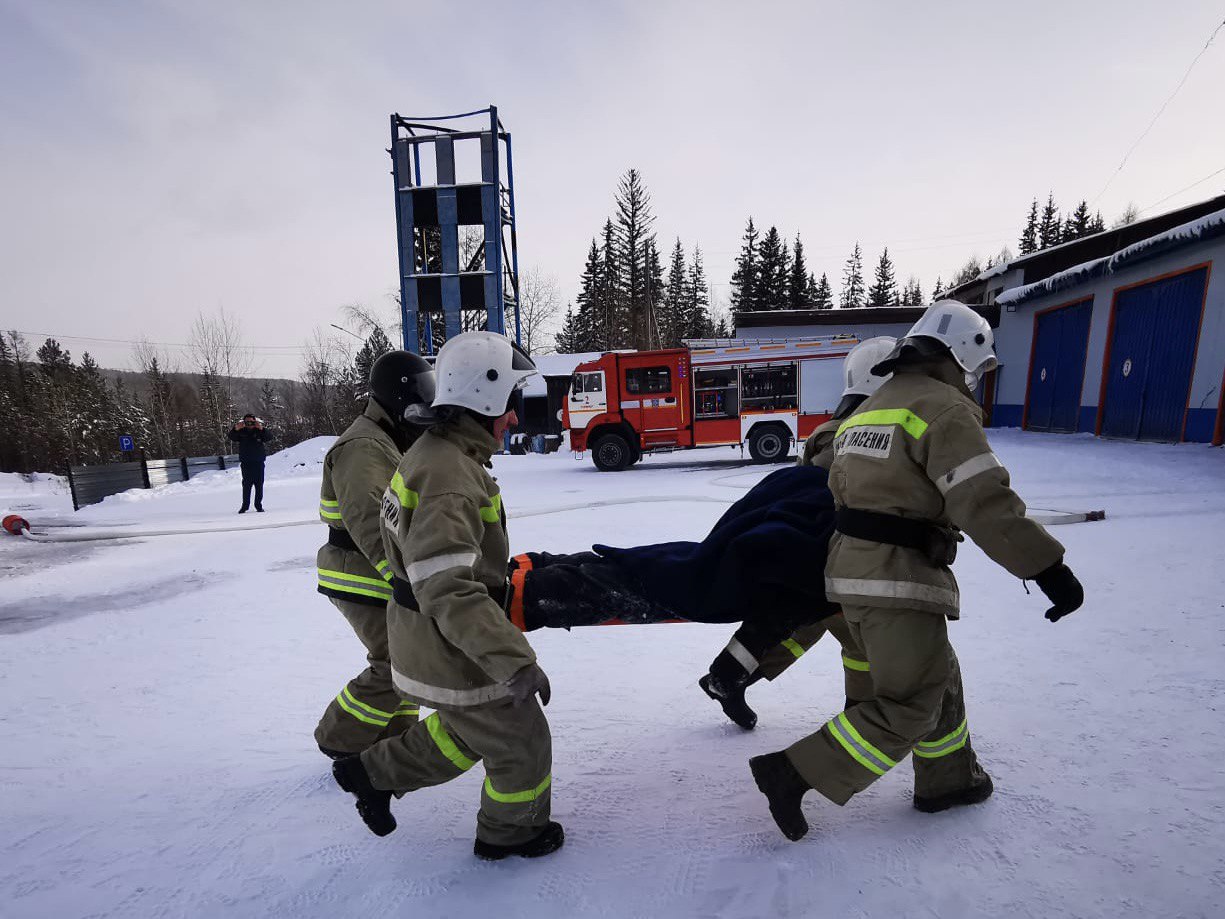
<point>444,531</point>
<point>916,449</point>
<point>356,470</point>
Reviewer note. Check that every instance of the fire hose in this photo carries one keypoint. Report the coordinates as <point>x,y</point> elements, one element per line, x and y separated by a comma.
<point>19,526</point>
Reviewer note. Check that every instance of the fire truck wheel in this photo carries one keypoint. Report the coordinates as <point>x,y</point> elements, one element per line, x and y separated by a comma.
<point>612,453</point>
<point>769,444</point>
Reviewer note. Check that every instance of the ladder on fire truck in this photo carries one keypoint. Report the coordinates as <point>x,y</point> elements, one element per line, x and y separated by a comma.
<point>721,350</point>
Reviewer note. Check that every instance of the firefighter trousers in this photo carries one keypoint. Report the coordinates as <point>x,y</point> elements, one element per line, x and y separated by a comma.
<point>918,707</point>
<point>517,750</point>
<point>368,707</point>
<point>855,665</point>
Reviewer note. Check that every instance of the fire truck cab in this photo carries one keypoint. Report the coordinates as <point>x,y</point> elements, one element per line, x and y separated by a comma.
<point>766,393</point>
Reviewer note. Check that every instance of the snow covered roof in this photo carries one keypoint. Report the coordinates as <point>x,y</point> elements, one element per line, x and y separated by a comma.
<point>1204,228</point>
<point>554,365</point>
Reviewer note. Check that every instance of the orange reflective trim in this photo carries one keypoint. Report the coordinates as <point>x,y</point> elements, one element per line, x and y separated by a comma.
<point>518,581</point>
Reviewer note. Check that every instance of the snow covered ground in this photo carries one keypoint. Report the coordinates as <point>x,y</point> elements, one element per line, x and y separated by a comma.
<point>159,696</point>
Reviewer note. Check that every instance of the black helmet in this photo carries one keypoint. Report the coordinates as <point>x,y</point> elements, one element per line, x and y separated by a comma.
<point>399,379</point>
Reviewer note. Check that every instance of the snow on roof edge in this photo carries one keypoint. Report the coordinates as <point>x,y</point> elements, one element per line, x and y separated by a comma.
<point>1202,229</point>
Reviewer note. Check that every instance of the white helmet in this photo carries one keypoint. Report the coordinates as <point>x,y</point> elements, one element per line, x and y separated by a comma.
<point>949,326</point>
<point>860,380</point>
<point>480,371</point>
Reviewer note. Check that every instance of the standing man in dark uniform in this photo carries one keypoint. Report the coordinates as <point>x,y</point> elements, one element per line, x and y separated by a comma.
<point>251,435</point>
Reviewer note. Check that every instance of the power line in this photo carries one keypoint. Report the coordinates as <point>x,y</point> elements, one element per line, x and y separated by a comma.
<point>1160,111</point>
<point>1149,207</point>
<point>279,349</point>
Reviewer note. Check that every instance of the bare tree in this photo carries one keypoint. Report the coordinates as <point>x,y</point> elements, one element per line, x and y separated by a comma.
<point>539,310</point>
<point>1130,214</point>
<point>326,364</point>
<point>219,354</point>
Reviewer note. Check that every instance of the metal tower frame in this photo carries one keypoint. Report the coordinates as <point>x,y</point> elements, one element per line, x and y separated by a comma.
<point>428,218</point>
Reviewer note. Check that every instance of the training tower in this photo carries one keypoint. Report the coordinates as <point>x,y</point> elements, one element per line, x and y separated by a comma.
<point>455,222</point>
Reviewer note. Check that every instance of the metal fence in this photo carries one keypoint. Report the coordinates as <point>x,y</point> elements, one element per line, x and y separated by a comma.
<point>90,484</point>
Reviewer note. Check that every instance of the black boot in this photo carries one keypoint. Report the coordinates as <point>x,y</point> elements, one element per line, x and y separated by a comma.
<point>548,840</point>
<point>979,790</point>
<point>730,697</point>
<point>784,788</point>
<point>373,805</point>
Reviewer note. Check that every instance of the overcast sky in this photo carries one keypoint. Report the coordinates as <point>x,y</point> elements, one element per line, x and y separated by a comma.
<point>162,158</point>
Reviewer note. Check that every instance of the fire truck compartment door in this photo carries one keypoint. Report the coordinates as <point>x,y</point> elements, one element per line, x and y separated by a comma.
<point>821,385</point>
<point>650,399</point>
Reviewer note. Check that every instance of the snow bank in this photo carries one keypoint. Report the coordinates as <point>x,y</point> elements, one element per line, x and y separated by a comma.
<point>1205,228</point>
<point>305,458</point>
<point>28,485</point>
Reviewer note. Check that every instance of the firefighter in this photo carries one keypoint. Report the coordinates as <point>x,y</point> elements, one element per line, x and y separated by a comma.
<point>911,465</point>
<point>452,647</point>
<point>353,570</point>
<point>737,667</point>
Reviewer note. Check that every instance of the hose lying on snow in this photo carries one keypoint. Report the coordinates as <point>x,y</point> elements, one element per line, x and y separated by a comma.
<point>18,526</point>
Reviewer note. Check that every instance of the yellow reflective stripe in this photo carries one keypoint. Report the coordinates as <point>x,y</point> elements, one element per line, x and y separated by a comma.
<point>950,743</point>
<point>357,713</point>
<point>909,422</point>
<point>408,497</point>
<point>492,514</point>
<point>329,509</point>
<point>406,708</point>
<point>368,709</point>
<point>328,502</point>
<point>361,591</point>
<point>433,724</point>
<point>384,568</point>
<point>868,756</point>
<point>851,664</point>
<point>329,515</point>
<point>355,578</point>
<point>794,647</point>
<point>518,797</point>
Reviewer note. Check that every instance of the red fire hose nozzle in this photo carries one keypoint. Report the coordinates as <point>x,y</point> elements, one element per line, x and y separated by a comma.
<point>14,524</point>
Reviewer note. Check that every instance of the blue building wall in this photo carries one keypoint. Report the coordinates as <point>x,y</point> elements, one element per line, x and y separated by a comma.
<point>1014,341</point>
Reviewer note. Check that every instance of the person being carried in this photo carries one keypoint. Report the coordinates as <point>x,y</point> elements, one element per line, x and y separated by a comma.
<point>251,435</point>
<point>741,664</point>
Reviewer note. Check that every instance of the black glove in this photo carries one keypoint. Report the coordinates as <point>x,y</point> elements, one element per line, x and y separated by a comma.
<point>1062,589</point>
<point>526,683</point>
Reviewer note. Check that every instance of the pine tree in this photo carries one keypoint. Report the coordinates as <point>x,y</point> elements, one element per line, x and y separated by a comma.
<point>912,294</point>
<point>671,312</point>
<point>1050,229</point>
<point>1029,236</point>
<point>655,292</point>
<point>375,346</point>
<point>772,272</point>
<point>937,290</point>
<point>1098,223</point>
<point>697,296</point>
<point>580,333</point>
<point>884,288</point>
<point>613,329</point>
<point>823,294</point>
<point>634,222</point>
<point>852,294</point>
<point>744,278</point>
<point>799,290</point>
<point>1080,223</point>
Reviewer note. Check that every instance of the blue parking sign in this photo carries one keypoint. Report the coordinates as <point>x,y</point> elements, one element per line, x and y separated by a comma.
<point>127,443</point>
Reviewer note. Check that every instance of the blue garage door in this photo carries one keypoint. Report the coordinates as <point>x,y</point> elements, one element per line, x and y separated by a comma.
<point>1058,371</point>
<point>1152,354</point>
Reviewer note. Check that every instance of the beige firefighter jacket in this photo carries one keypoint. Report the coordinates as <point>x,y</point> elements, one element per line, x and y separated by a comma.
<point>444,532</point>
<point>819,447</point>
<point>356,471</point>
<point>916,448</point>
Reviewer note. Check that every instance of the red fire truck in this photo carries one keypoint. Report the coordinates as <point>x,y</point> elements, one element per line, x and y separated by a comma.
<point>767,393</point>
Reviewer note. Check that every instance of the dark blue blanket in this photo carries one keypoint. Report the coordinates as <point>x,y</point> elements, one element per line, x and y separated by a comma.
<point>763,562</point>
